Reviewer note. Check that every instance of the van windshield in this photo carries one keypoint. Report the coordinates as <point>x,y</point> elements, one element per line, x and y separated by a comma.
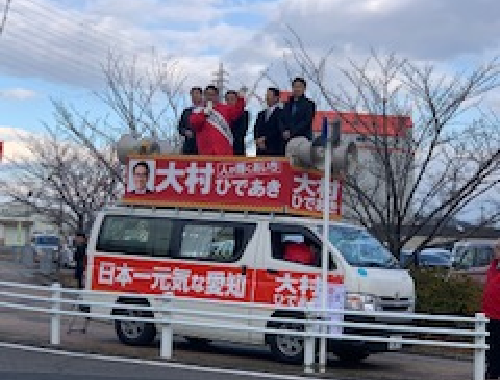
<point>361,249</point>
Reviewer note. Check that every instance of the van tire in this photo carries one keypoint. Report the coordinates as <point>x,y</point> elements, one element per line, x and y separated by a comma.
<point>287,348</point>
<point>134,333</point>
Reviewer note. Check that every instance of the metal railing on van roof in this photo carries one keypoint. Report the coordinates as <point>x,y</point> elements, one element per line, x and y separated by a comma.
<point>311,326</point>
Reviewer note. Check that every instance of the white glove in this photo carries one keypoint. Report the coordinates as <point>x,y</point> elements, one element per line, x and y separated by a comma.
<point>208,108</point>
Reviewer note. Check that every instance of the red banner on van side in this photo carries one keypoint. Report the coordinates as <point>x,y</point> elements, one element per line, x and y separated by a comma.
<point>210,281</point>
<point>231,183</point>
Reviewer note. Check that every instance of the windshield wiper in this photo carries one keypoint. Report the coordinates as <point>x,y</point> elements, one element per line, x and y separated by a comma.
<point>372,264</point>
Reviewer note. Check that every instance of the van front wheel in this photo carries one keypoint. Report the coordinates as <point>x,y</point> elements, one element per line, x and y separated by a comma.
<point>288,348</point>
<point>135,333</point>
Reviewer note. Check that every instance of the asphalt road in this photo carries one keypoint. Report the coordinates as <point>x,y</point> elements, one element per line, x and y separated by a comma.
<point>33,329</point>
<point>22,364</point>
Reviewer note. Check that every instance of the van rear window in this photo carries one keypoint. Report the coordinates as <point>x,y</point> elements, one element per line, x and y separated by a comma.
<point>135,235</point>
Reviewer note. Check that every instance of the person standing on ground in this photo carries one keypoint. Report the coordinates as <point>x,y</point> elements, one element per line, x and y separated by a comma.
<point>80,258</point>
<point>491,308</point>
<point>189,146</point>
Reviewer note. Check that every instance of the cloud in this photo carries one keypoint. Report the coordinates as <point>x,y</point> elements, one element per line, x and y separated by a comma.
<point>77,36</point>
<point>421,29</point>
<point>17,94</point>
<point>13,144</point>
<point>75,41</point>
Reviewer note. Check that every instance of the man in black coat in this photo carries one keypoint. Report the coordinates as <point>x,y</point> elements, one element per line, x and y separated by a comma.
<point>79,257</point>
<point>267,133</point>
<point>239,127</point>
<point>189,146</point>
<point>298,113</point>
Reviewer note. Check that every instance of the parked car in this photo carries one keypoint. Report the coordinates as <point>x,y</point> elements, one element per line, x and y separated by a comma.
<point>429,257</point>
<point>67,256</point>
<point>473,258</point>
<point>45,245</point>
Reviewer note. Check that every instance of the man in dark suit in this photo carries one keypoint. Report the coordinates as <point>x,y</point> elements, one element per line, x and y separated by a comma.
<point>239,127</point>
<point>298,113</point>
<point>189,146</point>
<point>267,133</point>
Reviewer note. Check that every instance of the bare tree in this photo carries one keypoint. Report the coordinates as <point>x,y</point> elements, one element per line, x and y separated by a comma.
<point>3,21</point>
<point>432,152</point>
<point>144,97</point>
<point>60,180</point>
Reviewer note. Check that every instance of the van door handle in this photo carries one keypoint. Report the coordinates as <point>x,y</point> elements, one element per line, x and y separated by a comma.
<point>244,270</point>
<point>272,271</point>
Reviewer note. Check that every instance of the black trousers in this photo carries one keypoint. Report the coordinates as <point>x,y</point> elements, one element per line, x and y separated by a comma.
<point>493,354</point>
<point>79,277</point>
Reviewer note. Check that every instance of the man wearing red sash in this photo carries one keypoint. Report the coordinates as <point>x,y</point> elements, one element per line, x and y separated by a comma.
<point>212,124</point>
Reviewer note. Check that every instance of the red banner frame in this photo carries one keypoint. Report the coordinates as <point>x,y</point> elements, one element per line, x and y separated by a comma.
<point>259,184</point>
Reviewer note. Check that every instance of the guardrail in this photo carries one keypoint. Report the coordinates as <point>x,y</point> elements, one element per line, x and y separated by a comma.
<point>312,326</point>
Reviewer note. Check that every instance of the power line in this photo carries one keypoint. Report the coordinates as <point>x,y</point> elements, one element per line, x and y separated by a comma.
<point>4,18</point>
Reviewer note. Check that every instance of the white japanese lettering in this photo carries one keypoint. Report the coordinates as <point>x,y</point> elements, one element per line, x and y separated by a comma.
<point>215,283</point>
<point>222,186</point>
<point>273,188</point>
<point>257,189</point>
<point>180,280</point>
<point>106,273</point>
<point>171,178</point>
<point>124,276</point>
<point>240,184</point>
<point>287,283</point>
<point>199,176</point>
<point>236,285</point>
<point>162,279</point>
<point>198,283</point>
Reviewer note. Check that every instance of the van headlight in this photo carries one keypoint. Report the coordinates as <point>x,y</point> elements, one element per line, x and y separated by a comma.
<point>361,302</point>
<point>413,302</point>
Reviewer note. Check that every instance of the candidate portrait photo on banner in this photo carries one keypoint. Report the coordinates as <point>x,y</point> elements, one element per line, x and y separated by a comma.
<point>141,175</point>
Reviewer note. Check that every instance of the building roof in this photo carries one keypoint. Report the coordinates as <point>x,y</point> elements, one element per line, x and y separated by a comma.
<point>361,123</point>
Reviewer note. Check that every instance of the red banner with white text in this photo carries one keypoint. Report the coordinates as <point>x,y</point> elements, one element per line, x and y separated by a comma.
<point>230,183</point>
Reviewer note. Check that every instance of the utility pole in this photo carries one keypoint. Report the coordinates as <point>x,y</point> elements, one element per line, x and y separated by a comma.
<point>220,80</point>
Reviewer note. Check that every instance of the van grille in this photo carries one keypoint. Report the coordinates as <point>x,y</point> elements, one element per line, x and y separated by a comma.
<point>393,304</point>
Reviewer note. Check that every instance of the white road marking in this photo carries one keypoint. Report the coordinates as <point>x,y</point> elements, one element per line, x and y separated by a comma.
<point>118,359</point>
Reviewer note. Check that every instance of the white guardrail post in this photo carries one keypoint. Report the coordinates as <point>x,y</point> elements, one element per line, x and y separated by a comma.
<point>310,348</point>
<point>166,333</point>
<point>480,352</point>
<point>55,318</point>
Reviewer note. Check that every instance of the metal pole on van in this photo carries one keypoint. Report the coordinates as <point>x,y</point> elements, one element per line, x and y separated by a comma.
<point>326,221</point>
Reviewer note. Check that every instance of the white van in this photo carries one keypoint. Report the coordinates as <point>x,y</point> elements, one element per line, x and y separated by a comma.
<point>230,257</point>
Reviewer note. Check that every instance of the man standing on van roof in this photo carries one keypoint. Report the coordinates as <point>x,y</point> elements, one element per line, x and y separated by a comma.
<point>491,307</point>
<point>189,146</point>
<point>268,137</point>
<point>298,113</point>
<point>212,124</point>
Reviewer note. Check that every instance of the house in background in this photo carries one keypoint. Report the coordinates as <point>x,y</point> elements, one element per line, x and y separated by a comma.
<point>18,222</point>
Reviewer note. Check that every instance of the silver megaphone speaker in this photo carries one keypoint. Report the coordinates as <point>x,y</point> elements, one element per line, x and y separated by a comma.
<point>128,145</point>
<point>311,155</point>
